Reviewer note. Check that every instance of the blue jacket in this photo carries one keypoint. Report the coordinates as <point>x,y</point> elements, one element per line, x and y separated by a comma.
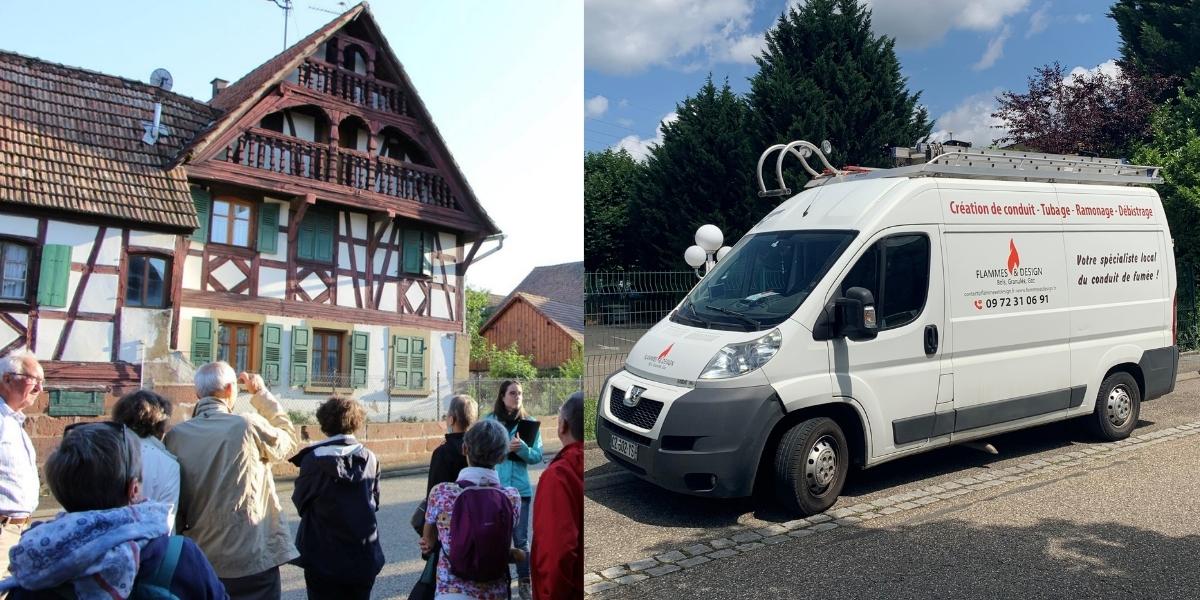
<point>337,495</point>
<point>515,473</point>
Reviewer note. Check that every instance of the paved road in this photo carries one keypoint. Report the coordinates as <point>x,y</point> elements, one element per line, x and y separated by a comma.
<point>1053,515</point>
<point>400,496</point>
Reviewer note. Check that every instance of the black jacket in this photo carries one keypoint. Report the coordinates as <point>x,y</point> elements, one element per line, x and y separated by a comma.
<point>446,462</point>
<point>337,495</point>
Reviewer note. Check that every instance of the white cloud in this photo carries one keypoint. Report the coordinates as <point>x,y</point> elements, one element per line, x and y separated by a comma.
<point>623,103</point>
<point>972,121</point>
<point>625,122</point>
<point>628,36</point>
<point>1039,21</point>
<point>995,49</point>
<point>1108,67</point>
<point>1081,18</point>
<point>917,24</point>
<point>638,147</point>
<point>595,106</point>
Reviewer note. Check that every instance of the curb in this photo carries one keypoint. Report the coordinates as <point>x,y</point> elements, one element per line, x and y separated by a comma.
<point>747,540</point>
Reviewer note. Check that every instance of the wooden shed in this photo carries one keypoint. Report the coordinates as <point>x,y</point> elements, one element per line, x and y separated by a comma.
<point>544,328</point>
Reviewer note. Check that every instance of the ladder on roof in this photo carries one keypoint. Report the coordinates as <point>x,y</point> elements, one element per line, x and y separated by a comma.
<point>963,162</point>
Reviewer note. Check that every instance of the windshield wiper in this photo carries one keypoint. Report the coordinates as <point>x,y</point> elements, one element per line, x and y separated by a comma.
<point>696,317</point>
<point>734,313</point>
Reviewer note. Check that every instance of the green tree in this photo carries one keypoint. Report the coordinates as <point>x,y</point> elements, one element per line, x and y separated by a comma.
<point>608,183</point>
<point>477,301</point>
<point>1158,38</point>
<point>702,172</point>
<point>1175,146</point>
<point>825,76</point>
<point>573,368</point>
<point>509,363</point>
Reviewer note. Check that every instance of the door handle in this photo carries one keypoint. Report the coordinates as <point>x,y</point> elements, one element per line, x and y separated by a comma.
<point>931,340</point>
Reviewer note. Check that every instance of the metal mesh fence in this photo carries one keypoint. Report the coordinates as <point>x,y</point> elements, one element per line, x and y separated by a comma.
<point>1187,315</point>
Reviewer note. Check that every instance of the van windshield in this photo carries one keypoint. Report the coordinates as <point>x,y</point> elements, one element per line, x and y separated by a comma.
<point>762,280</point>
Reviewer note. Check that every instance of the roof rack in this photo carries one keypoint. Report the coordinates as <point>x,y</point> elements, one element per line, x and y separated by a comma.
<point>963,162</point>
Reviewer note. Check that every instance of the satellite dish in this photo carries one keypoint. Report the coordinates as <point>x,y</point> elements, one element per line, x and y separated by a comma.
<point>161,78</point>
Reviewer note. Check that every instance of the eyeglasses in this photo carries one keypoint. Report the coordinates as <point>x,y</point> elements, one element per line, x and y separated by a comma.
<point>37,381</point>
<point>126,452</point>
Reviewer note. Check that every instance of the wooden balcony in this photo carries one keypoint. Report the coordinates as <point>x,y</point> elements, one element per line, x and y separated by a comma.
<point>351,87</point>
<point>278,153</point>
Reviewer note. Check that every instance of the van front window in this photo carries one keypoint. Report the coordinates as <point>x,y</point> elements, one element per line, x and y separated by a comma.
<point>762,280</point>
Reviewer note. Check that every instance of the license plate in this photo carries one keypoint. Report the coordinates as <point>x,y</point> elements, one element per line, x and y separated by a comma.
<point>625,448</point>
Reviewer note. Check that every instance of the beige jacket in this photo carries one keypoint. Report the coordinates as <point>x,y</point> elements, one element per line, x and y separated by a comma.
<point>227,500</point>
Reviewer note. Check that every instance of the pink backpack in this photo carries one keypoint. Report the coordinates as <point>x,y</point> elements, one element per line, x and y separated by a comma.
<point>481,528</point>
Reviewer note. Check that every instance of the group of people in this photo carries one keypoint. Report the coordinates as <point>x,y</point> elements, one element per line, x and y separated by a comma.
<point>128,485</point>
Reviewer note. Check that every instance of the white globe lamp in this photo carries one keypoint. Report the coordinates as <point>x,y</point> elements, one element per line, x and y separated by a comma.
<point>694,256</point>
<point>722,252</point>
<point>709,238</point>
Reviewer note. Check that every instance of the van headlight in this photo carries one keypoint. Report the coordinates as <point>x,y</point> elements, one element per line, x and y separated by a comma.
<point>739,359</point>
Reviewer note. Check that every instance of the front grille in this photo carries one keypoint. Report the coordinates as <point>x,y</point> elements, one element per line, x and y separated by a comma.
<point>644,415</point>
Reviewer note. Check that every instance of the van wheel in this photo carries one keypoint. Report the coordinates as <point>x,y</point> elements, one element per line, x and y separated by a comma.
<point>810,466</point>
<point>1117,407</point>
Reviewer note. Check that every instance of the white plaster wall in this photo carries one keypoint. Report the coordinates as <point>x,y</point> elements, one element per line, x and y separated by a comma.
<point>89,342</point>
<point>306,126</point>
<point>358,221</point>
<point>272,283</point>
<point>312,285</point>
<point>79,237</point>
<point>193,267</point>
<point>7,333</point>
<point>441,309</point>
<point>415,296</point>
<point>388,302</point>
<point>18,225</point>
<point>100,295</point>
<point>145,333</point>
<point>345,292</point>
<point>48,331</point>
<point>449,243</point>
<point>162,241</point>
<point>110,249</point>
<point>280,238</point>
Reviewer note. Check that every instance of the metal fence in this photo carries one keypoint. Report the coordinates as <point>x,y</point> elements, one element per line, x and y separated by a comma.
<point>1187,309</point>
<point>541,397</point>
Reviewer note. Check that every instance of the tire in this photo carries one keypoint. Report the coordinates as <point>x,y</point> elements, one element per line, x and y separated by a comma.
<point>811,463</point>
<point>1118,405</point>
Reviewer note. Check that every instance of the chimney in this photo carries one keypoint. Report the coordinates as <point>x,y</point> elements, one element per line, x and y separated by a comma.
<point>218,84</point>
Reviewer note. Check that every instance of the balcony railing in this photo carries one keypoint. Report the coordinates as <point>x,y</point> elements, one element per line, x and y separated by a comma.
<point>279,153</point>
<point>352,87</point>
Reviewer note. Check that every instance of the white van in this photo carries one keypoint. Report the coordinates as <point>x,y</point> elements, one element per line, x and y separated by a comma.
<point>880,314</point>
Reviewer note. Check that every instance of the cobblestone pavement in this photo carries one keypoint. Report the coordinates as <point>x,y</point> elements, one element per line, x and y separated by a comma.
<point>643,540</point>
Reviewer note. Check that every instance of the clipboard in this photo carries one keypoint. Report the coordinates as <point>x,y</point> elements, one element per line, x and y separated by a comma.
<point>527,430</point>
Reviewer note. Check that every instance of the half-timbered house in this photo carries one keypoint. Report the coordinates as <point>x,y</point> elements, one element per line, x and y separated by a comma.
<point>308,222</point>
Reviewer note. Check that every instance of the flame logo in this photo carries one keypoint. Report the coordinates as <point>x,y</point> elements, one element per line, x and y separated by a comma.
<point>666,352</point>
<point>1014,259</point>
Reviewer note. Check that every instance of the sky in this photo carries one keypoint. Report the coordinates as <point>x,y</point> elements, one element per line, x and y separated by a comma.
<point>643,57</point>
<point>501,79</point>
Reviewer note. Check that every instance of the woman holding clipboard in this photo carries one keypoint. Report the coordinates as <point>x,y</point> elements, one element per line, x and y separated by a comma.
<point>525,448</point>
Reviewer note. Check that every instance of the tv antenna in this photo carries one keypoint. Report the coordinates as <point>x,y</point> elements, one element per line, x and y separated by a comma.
<point>286,5</point>
<point>341,4</point>
<point>161,79</point>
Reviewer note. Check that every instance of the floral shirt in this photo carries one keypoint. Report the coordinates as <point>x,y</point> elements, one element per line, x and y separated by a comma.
<point>441,504</point>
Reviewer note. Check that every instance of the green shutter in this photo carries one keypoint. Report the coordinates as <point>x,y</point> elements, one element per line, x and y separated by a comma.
<point>426,254</point>
<point>412,251</point>
<point>301,342</point>
<point>272,345</point>
<point>268,228</point>
<point>203,201</point>
<point>360,351</point>
<point>55,275</point>
<point>70,403</point>
<point>416,364</point>
<point>326,229</point>
<point>203,344</point>
<point>399,362</point>
<point>306,239</point>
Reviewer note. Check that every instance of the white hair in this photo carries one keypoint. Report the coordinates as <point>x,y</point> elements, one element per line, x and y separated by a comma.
<point>487,443</point>
<point>15,361</point>
<point>214,377</point>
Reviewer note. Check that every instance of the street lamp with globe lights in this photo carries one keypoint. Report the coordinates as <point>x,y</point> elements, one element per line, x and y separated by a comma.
<point>707,251</point>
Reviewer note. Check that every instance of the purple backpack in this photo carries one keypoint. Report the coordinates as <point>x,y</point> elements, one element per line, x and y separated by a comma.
<point>481,528</point>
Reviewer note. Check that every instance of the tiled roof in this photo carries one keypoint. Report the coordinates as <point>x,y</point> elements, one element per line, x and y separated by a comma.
<point>71,140</point>
<point>567,316</point>
<point>561,283</point>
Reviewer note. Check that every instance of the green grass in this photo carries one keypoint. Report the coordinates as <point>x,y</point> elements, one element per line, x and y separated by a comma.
<point>589,419</point>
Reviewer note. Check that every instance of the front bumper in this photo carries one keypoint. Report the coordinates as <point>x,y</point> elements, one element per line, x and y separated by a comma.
<point>705,441</point>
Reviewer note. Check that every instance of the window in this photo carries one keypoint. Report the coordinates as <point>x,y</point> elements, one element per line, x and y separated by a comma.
<point>232,221</point>
<point>15,258</point>
<point>326,358</point>
<point>235,345</point>
<point>147,280</point>
<point>896,271</point>
<point>314,241</point>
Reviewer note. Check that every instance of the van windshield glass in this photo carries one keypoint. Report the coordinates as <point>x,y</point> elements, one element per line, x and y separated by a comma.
<point>763,280</point>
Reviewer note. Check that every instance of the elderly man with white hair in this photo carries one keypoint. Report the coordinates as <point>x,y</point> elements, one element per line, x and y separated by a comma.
<point>21,380</point>
<point>227,501</point>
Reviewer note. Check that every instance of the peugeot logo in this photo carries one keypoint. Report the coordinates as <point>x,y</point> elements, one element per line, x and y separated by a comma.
<point>633,397</point>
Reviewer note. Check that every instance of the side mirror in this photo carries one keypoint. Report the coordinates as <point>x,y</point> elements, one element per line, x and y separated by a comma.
<point>856,315</point>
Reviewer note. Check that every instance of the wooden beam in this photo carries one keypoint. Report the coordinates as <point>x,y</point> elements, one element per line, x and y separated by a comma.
<point>35,266</point>
<point>309,310</point>
<point>351,249</point>
<point>122,277</point>
<point>183,246</point>
<point>83,280</point>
